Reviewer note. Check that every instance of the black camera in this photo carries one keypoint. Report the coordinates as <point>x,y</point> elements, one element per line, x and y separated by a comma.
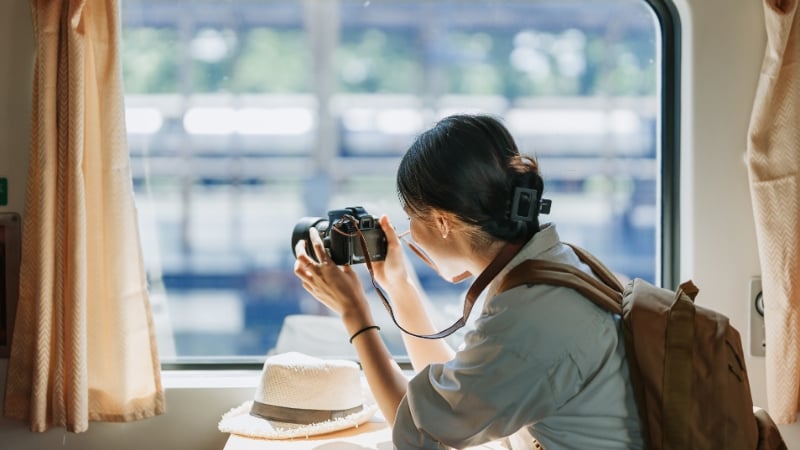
<point>341,235</point>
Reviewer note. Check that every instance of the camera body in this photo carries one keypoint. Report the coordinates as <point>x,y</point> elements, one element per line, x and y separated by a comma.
<point>340,235</point>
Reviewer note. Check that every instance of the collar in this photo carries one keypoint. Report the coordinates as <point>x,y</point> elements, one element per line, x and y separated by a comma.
<point>541,242</point>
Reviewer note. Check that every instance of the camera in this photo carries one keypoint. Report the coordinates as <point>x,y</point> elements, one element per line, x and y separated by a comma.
<point>340,235</point>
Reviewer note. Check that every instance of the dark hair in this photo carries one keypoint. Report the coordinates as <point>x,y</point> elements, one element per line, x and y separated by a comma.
<point>469,165</point>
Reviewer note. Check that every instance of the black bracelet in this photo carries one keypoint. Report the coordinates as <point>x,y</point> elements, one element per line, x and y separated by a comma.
<point>367,328</point>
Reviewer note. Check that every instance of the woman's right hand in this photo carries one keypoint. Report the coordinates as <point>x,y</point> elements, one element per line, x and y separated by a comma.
<point>337,287</point>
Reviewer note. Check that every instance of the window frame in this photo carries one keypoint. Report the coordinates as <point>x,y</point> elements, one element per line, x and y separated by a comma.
<point>669,19</point>
<point>668,234</point>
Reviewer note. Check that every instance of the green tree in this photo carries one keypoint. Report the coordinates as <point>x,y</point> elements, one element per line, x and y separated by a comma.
<point>272,60</point>
<point>149,65</point>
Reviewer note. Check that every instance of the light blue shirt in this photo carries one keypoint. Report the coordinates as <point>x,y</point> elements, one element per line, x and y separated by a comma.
<point>541,357</point>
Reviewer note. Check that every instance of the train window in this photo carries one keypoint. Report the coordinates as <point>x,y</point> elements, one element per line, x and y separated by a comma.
<point>245,115</point>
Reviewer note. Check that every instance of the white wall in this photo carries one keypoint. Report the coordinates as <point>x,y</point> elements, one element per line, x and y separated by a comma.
<point>723,44</point>
<point>16,73</point>
<point>194,406</point>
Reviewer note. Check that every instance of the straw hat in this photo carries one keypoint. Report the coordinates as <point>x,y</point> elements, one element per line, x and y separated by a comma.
<point>301,396</point>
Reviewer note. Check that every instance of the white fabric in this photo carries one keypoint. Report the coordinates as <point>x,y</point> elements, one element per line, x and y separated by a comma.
<point>541,357</point>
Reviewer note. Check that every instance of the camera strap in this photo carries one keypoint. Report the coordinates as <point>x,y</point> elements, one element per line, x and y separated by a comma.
<point>498,263</point>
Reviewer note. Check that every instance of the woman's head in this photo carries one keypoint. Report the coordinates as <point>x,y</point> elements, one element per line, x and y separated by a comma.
<point>469,166</point>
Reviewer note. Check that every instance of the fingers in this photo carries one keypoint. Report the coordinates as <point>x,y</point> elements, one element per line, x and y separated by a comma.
<point>304,269</point>
<point>319,248</point>
<point>387,227</point>
<point>302,259</point>
<point>392,240</point>
<point>336,287</point>
<point>304,265</point>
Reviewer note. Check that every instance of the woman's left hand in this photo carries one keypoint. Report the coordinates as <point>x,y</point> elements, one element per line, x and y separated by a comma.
<point>337,287</point>
<point>392,271</point>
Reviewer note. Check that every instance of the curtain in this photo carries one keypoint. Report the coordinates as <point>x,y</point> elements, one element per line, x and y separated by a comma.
<point>773,162</point>
<point>83,347</point>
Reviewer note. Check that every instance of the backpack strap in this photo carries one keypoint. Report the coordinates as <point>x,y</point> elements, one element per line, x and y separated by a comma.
<point>599,269</point>
<point>678,374</point>
<point>606,291</point>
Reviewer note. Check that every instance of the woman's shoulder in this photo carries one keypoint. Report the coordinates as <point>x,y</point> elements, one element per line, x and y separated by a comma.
<point>545,319</point>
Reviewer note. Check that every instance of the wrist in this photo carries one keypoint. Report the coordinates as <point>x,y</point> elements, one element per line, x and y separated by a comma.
<point>363,330</point>
<point>356,320</point>
<point>402,285</point>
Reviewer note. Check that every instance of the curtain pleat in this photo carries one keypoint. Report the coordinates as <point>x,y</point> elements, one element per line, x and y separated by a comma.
<point>773,161</point>
<point>84,343</point>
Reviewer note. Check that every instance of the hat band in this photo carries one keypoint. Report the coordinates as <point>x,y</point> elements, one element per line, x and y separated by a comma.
<point>297,415</point>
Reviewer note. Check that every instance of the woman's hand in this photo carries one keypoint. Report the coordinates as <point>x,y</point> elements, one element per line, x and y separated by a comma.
<point>391,272</point>
<point>339,289</point>
<point>336,287</point>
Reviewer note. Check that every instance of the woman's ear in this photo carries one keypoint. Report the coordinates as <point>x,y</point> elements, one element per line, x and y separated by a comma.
<point>443,223</point>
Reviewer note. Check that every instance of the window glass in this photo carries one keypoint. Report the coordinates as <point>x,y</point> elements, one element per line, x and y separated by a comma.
<point>244,116</point>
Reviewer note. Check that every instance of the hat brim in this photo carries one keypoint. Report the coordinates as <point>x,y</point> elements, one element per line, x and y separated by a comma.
<point>239,421</point>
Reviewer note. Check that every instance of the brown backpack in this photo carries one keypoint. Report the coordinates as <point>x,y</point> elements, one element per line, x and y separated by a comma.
<point>686,362</point>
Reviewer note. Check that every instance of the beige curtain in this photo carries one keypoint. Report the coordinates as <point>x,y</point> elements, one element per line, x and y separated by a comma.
<point>84,345</point>
<point>773,160</point>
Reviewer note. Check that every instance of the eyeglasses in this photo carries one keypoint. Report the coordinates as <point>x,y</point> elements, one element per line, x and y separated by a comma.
<point>405,236</point>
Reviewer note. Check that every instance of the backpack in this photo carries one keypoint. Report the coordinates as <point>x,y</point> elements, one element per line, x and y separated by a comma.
<point>686,362</point>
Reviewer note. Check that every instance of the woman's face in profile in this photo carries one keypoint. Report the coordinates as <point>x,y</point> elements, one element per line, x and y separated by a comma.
<point>439,243</point>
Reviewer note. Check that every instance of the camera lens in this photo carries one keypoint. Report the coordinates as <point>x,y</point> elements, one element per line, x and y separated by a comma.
<point>301,231</point>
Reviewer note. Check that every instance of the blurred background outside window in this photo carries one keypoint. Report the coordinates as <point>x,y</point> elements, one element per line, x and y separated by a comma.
<point>244,116</point>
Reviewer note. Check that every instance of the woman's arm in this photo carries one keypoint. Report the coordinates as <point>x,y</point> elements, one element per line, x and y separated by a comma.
<point>409,308</point>
<point>385,378</point>
<point>400,282</point>
<point>339,288</point>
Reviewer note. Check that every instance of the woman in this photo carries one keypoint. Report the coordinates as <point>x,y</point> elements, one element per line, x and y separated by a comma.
<point>541,359</point>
